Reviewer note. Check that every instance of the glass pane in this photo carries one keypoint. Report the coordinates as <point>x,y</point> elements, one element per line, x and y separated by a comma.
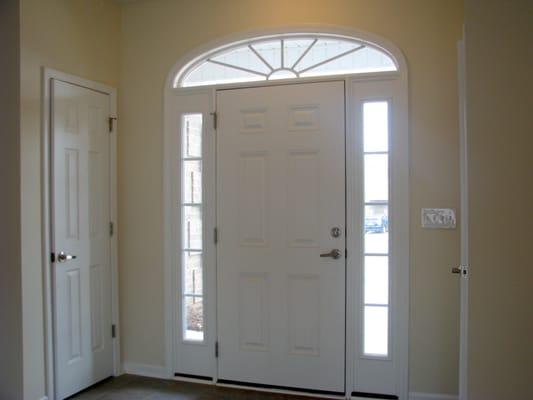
<point>377,229</point>
<point>376,331</point>
<point>293,49</point>
<point>193,282</point>
<point>282,74</point>
<point>375,126</point>
<point>192,227</point>
<point>270,51</point>
<point>360,61</point>
<point>376,178</point>
<point>194,318</point>
<point>376,280</point>
<point>191,142</point>
<point>192,181</point>
<point>245,58</point>
<point>208,73</point>
<point>323,50</point>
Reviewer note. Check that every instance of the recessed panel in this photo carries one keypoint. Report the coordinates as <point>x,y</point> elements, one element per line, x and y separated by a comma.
<point>304,314</point>
<point>252,199</point>
<point>304,118</point>
<point>95,121</point>
<point>97,312</point>
<point>96,198</point>
<point>72,188</point>
<point>253,121</point>
<point>71,118</point>
<point>253,311</point>
<point>303,199</point>
<point>74,314</point>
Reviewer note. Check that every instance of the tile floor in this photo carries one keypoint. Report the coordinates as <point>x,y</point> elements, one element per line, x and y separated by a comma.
<point>131,387</point>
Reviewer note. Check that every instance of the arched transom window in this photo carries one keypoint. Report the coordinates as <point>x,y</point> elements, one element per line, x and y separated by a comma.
<point>285,57</point>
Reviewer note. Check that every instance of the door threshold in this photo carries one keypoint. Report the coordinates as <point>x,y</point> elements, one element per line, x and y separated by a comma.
<point>260,387</point>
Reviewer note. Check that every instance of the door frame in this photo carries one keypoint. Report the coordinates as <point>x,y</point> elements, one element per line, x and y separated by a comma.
<point>47,75</point>
<point>181,100</point>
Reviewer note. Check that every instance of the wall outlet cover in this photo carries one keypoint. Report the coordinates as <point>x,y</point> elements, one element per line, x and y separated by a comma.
<point>438,218</point>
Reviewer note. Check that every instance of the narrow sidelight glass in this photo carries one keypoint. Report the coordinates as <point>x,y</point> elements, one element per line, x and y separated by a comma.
<point>192,290</point>
<point>376,229</point>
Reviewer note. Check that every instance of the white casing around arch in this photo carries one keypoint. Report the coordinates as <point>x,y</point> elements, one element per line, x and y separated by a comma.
<point>391,85</point>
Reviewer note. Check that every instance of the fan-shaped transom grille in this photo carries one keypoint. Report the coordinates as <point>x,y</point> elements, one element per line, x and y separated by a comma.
<point>287,57</point>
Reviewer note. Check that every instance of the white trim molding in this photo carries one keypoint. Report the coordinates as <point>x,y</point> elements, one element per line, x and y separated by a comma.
<point>151,371</point>
<point>391,85</point>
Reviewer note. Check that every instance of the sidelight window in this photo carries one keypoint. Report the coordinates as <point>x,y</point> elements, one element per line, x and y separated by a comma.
<point>376,229</point>
<point>191,230</point>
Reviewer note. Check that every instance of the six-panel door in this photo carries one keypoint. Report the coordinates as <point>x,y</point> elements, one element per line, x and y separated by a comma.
<point>281,191</point>
<point>80,229</point>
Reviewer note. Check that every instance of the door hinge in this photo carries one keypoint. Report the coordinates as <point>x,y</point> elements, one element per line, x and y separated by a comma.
<point>216,349</point>
<point>113,331</point>
<point>461,269</point>
<point>52,257</point>
<point>215,235</point>
<point>215,117</point>
<point>111,228</point>
<point>110,122</point>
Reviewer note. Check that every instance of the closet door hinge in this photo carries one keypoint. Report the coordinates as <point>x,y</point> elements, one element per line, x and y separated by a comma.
<point>111,228</point>
<point>113,331</point>
<point>215,235</point>
<point>216,349</point>
<point>110,122</point>
<point>214,114</point>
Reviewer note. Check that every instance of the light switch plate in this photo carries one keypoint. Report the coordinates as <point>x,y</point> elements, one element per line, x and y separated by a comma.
<point>438,218</point>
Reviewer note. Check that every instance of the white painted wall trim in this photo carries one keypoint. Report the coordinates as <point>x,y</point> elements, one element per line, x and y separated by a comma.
<point>193,56</point>
<point>181,96</point>
<point>431,396</point>
<point>152,371</point>
<point>463,223</point>
<point>47,75</point>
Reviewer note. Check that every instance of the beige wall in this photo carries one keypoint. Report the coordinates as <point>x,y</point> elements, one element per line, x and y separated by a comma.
<point>80,37</point>
<point>10,272</point>
<point>155,34</point>
<point>500,141</point>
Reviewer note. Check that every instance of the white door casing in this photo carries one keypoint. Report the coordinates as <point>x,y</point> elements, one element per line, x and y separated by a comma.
<point>281,189</point>
<point>80,215</point>
<point>463,225</point>
<point>199,359</point>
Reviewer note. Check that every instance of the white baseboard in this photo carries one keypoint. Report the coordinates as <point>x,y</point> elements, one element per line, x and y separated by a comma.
<point>432,396</point>
<point>152,371</point>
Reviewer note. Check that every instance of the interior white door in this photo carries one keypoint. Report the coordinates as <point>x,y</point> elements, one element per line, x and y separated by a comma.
<point>80,221</point>
<point>281,192</point>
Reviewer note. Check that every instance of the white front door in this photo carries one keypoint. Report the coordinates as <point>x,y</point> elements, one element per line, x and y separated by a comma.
<point>81,271</point>
<point>280,206</point>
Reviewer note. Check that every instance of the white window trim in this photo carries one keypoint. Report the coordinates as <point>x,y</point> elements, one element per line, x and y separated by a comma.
<point>179,100</point>
<point>210,56</point>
